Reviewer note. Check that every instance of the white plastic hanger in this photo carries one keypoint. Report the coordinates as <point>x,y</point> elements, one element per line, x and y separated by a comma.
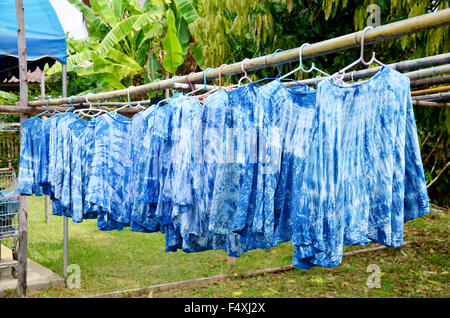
<point>300,66</point>
<point>340,74</point>
<point>128,104</point>
<point>89,112</point>
<point>245,73</point>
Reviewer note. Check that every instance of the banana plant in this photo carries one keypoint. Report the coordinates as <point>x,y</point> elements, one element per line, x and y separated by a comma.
<point>5,96</point>
<point>129,44</point>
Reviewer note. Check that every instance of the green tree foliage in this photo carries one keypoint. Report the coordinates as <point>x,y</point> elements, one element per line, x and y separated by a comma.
<point>231,30</point>
<point>8,98</point>
<point>129,44</point>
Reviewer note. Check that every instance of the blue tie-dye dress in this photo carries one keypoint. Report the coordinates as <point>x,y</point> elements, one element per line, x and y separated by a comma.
<point>109,181</point>
<point>82,144</point>
<point>282,122</point>
<point>364,175</point>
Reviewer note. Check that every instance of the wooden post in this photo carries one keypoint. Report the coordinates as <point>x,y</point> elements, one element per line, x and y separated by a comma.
<point>23,217</point>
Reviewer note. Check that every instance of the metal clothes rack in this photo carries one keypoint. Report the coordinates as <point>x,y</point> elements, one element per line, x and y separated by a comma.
<point>378,34</point>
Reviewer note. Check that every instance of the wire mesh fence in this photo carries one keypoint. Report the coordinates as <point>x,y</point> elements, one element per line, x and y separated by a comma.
<point>9,221</point>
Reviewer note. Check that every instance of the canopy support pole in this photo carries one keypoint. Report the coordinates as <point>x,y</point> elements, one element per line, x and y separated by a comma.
<point>66,219</point>
<point>23,205</point>
<point>47,198</point>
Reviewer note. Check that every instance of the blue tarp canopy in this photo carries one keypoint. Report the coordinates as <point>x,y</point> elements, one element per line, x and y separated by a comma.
<point>45,37</point>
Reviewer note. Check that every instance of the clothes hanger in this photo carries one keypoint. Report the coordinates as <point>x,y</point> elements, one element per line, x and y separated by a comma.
<point>89,110</point>
<point>201,88</point>
<point>300,67</point>
<point>71,105</point>
<point>128,104</point>
<point>279,69</point>
<point>47,111</point>
<point>245,73</point>
<point>173,93</point>
<point>193,87</point>
<point>203,96</point>
<point>339,76</point>
<point>278,77</point>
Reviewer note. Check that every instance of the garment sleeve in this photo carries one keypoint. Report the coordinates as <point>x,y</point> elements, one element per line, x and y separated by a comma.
<point>416,196</point>
<point>95,191</point>
<point>76,181</point>
<point>58,168</point>
<point>44,162</point>
<point>25,179</point>
<point>66,197</point>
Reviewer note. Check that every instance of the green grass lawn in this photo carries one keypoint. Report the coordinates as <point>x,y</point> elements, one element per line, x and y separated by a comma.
<point>121,260</point>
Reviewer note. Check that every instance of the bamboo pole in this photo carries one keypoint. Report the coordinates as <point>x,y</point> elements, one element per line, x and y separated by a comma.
<point>352,40</point>
<point>426,82</point>
<point>424,73</point>
<point>356,75</point>
<point>433,97</point>
<point>23,222</point>
<point>429,104</point>
<point>431,90</point>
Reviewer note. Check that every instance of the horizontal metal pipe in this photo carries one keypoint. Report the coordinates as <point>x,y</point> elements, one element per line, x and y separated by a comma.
<point>381,33</point>
<point>5,109</point>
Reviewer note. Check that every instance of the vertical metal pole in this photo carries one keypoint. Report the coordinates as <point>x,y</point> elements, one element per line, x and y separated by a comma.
<point>47,198</point>
<point>66,220</point>
<point>23,217</point>
<point>64,80</point>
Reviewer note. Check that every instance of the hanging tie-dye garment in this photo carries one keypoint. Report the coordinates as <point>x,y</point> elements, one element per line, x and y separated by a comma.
<point>109,181</point>
<point>82,144</point>
<point>30,152</point>
<point>364,175</point>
